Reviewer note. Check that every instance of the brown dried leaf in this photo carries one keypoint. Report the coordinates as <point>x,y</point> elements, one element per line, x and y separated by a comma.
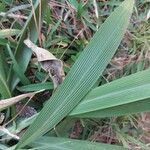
<point>42,54</point>
<point>49,63</point>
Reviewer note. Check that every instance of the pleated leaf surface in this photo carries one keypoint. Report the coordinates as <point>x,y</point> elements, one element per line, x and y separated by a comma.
<point>83,75</point>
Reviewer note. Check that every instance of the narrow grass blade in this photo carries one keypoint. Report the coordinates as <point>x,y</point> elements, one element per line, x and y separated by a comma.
<point>36,87</point>
<point>4,89</point>
<point>56,143</point>
<point>126,109</point>
<point>23,53</point>
<point>8,32</point>
<point>123,91</point>
<point>83,75</point>
<point>17,69</point>
<point>6,41</point>
<point>74,4</point>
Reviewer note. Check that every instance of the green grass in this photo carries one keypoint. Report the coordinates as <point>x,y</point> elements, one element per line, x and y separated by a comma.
<point>105,89</point>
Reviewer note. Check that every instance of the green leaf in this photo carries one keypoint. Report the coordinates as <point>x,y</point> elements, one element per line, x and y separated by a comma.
<point>83,75</point>
<point>8,32</point>
<point>6,41</point>
<point>74,4</point>
<point>117,97</point>
<point>36,87</point>
<point>2,6</point>
<point>56,143</point>
<point>23,53</point>
<point>4,89</point>
<point>126,109</point>
<point>17,68</point>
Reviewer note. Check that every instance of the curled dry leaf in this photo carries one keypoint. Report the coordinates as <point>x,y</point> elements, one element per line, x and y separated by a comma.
<point>49,63</point>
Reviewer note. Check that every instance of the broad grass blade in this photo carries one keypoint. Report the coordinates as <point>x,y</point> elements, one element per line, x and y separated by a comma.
<point>83,75</point>
<point>56,143</point>
<point>117,97</point>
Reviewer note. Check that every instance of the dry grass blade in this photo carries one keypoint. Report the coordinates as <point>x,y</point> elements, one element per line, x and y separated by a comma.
<point>13,100</point>
<point>8,32</point>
